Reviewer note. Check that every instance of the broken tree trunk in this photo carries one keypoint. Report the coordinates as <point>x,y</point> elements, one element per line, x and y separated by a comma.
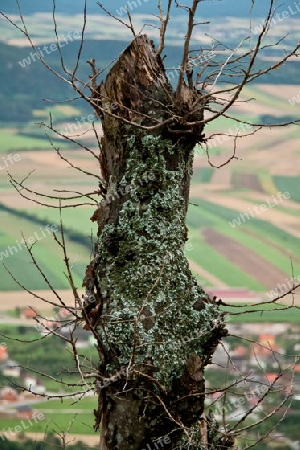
<point>156,328</point>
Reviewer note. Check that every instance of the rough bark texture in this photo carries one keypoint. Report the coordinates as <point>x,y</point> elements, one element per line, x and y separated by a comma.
<point>150,382</point>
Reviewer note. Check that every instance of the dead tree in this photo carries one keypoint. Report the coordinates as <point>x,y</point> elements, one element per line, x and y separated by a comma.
<point>145,293</point>
<point>141,297</point>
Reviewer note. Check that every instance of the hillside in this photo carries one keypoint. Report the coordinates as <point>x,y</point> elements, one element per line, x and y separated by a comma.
<point>73,7</point>
<point>230,243</point>
<point>225,247</point>
<point>26,88</point>
<point>24,79</point>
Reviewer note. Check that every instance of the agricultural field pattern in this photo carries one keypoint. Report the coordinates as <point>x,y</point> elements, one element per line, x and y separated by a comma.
<point>233,241</point>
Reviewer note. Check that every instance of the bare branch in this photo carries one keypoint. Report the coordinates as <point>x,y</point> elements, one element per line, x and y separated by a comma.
<point>163,25</point>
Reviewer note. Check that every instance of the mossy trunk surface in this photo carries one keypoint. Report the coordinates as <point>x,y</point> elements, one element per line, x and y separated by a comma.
<point>156,328</point>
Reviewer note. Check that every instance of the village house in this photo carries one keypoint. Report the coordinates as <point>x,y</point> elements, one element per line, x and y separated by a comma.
<point>8,395</point>
<point>28,313</point>
<point>11,369</point>
<point>32,384</point>
<point>24,412</point>
<point>3,353</point>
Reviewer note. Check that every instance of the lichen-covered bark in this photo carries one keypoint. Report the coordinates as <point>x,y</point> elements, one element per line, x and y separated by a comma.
<point>150,384</point>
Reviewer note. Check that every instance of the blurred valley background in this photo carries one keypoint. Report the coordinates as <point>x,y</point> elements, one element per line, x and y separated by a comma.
<point>243,218</point>
<point>231,245</point>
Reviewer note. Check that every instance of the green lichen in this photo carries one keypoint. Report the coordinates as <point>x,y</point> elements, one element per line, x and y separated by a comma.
<point>148,271</point>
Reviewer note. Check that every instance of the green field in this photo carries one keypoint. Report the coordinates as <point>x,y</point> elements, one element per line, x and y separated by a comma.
<point>264,98</point>
<point>202,175</point>
<point>268,313</point>
<point>260,226</point>
<point>224,123</point>
<point>12,142</point>
<point>276,257</point>
<point>289,184</point>
<point>213,262</point>
<point>267,241</point>
<point>208,215</point>
<point>48,254</point>
<point>73,219</point>
<point>59,415</point>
